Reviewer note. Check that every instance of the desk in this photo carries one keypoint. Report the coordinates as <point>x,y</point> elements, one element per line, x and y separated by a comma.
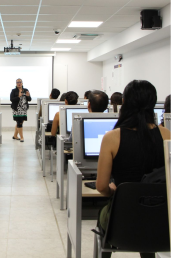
<point>88,192</point>
<point>75,190</point>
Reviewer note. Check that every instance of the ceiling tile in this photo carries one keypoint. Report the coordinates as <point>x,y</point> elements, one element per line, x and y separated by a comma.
<point>54,17</point>
<point>53,24</point>
<point>59,9</point>
<point>18,18</point>
<point>148,4</point>
<point>98,10</point>
<point>18,9</point>
<point>118,3</point>
<point>17,24</point>
<point>62,2</point>
<point>130,11</point>
<point>91,17</point>
<point>19,2</point>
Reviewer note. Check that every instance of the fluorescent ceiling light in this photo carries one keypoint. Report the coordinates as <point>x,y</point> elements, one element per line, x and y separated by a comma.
<point>60,49</point>
<point>68,41</point>
<point>85,24</point>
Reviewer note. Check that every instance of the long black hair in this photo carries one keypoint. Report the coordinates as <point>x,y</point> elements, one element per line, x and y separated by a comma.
<point>116,99</point>
<point>137,110</point>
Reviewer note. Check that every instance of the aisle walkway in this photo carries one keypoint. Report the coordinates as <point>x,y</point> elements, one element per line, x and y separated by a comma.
<point>31,224</point>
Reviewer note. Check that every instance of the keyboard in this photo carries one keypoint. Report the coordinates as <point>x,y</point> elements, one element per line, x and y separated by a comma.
<point>92,185</point>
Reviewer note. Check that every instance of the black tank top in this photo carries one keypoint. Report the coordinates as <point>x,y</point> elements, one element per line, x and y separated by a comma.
<point>131,161</point>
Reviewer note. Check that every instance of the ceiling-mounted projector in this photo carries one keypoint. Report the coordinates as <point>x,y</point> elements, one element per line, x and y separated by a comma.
<point>12,50</point>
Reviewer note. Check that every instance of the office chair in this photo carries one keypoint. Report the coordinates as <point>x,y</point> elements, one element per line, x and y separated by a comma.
<point>138,221</point>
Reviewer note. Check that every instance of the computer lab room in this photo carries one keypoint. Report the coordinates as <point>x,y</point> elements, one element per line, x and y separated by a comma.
<point>85,122</point>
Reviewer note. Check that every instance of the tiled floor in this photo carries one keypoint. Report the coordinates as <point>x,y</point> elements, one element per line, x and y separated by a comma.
<point>31,223</point>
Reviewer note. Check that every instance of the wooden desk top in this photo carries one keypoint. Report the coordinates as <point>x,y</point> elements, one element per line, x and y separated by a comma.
<point>68,151</point>
<point>48,134</point>
<point>88,192</point>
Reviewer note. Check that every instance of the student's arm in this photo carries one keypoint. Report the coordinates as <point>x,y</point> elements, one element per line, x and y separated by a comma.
<point>55,124</point>
<point>165,133</point>
<point>109,149</point>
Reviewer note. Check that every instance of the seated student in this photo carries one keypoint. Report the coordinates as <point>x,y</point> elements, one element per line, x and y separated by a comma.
<point>62,98</point>
<point>98,102</point>
<point>167,107</point>
<point>116,99</point>
<point>133,148</point>
<point>71,98</point>
<point>54,95</point>
<point>86,94</point>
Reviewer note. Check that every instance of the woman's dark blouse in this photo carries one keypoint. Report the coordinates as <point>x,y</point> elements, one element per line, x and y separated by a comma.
<point>131,162</point>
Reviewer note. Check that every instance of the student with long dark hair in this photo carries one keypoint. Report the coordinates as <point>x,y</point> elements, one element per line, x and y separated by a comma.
<point>133,148</point>
<point>116,99</point>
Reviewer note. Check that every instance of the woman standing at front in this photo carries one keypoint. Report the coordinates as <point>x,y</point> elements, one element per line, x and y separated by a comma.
<point>19,97</point>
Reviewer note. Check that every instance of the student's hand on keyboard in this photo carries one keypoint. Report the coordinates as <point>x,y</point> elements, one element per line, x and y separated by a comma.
<point>112,186</point>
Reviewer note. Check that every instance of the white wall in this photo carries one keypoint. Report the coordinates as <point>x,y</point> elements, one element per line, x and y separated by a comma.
<point>151,63</point>
<point>7,118</point>
<point>82,75</point>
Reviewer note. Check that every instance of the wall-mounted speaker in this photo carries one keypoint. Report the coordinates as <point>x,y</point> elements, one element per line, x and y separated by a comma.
<point>150,20</point>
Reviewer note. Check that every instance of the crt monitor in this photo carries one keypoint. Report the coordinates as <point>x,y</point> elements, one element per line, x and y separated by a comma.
<point>53,108</point>
<point>69,112</point>
<point>93,132</point>
<point>159,112</point>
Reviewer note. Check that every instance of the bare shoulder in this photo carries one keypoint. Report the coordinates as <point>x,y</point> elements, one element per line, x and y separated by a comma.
<point>111,141</point>
<point>56,116</point>
<point>112,135</point>
<point>166,134</point>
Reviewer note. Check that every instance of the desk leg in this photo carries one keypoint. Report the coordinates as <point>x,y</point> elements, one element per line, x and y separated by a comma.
<point>51,163</point>
<point>57,190</point>
<point>62,181</point>
<point>43,150</point>
<point>69,247</point>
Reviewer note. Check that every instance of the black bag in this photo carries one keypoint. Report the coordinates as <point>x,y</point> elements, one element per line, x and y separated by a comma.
<point>157,176</point>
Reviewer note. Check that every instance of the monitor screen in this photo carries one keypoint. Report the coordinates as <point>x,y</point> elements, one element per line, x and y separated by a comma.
<point>69,112</point>
<point>159,112</point>
<point>53,108</point>
<point>85,103</point>
<point>93,132</point>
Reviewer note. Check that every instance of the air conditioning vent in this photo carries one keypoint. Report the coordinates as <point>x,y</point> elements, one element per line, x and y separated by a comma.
<point>87,36</point>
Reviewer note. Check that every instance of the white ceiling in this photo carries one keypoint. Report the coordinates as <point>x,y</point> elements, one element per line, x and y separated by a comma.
<point>19,16</point>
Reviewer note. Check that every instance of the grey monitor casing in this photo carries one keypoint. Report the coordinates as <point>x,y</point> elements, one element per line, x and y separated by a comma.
<point>77,140</point>
<point>45,107</point>
<point>62,112</point>
<point>158,121</point>
<point>156,118</point>
<point>167,120</point>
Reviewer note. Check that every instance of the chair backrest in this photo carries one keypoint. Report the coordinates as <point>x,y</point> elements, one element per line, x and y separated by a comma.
<point>139,218</point>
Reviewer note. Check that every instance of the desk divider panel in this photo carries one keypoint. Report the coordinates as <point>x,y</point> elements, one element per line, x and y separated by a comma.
<point>60,170</point>
<point>167,152</point>
<point>77,140</point>
<point>63,122</point>
<point>0,127</point>
<point>37,122</point>
<point>167,120</point>
<point>74,204</point>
